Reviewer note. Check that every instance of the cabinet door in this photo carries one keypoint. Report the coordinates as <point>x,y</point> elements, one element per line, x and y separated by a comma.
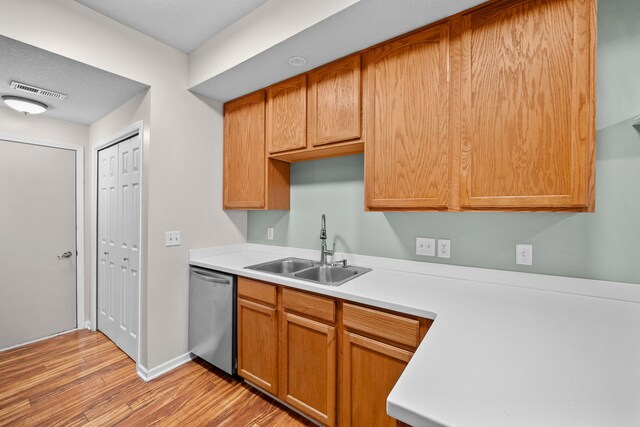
<point>370,369</point>
<point>334,102</point>
<point>287,115</point>
<point>527,118</point>
<point>244,153</point>
<point>258,344</point>
<point>407,119</point>
<point>309,367</point>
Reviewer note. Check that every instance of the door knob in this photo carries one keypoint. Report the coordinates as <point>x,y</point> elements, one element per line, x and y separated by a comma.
<point>65,255</point>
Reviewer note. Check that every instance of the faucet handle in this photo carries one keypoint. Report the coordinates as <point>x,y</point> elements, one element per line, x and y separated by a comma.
<point>342,263</point>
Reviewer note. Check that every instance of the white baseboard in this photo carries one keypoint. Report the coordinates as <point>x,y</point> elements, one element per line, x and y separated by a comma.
<point>149,374</point>
<point>38,339</point>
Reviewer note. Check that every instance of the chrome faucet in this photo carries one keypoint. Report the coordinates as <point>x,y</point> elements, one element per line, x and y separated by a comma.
<point>323,237</point>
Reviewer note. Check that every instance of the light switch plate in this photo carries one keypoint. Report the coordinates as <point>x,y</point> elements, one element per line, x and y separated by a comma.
<point>425,246</point>
<point>524,254</point>
<point>444,248</point>
<point>172,238</point>
<point>270,233</point>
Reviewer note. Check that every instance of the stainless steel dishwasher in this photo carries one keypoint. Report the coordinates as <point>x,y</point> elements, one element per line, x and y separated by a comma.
<point>212,317</point>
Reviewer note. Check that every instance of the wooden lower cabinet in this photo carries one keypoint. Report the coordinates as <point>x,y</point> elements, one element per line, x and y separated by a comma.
<point>334,361</point>
<point>308,377</point>
<point>370,369</point>
<point>258,344</point>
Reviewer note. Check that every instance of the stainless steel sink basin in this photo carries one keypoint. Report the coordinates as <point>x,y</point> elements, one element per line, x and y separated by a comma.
<point>326,273</point>
<point>287,265</point>
<point>312,271</point>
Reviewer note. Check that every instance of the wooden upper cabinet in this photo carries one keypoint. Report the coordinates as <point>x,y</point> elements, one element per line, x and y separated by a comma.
<point>527,105</point>
<point>287,115</point>
<point>244,152</point>
<point>492,109</point>
<point>251,180</point>
<point>407,143</point>
<point>334,101</point>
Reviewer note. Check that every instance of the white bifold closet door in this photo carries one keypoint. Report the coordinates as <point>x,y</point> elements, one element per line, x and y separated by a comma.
<point>119,243</point>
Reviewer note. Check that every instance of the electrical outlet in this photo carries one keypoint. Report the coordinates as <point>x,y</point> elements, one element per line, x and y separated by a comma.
<point>172,238</point>
<point>425,246</point>
<point>524,254</point>
<point>444,248</point>
<point>270,233</point>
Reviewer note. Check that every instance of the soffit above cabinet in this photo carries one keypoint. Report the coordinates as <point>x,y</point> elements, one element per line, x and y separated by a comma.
<point>91,93</point>
<point>363,24</point>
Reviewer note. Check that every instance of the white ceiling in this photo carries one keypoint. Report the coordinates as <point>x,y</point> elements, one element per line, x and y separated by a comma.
<point>183,24</point>
<point>359,26</point>
<point>186,24</point>
<point>91,93</point>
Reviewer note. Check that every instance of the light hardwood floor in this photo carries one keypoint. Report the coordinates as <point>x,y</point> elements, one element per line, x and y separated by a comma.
<point>82,378</point>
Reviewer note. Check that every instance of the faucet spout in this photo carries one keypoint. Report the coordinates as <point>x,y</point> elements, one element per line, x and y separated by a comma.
<point>323,237</point>
<point>323,228</point>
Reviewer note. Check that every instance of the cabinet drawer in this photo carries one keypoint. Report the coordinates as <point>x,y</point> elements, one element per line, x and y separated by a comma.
<point>257,291</point>
<point>309,305</point>
<point>390,327</point>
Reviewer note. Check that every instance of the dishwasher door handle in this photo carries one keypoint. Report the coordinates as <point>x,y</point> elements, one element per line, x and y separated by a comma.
<point>211,279</point>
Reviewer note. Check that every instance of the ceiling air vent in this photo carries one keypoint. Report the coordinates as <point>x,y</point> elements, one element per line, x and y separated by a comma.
<point>21,87</point>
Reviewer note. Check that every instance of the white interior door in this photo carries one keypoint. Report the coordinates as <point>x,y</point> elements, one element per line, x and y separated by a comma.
<point>118,243</point>
<point>37,242</point>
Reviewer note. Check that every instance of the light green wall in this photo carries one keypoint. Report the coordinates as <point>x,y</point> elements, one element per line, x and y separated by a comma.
<point>618,75</point>
<point>604,245</point>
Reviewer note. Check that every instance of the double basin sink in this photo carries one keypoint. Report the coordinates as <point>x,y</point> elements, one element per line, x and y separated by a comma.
<point>312,271</point>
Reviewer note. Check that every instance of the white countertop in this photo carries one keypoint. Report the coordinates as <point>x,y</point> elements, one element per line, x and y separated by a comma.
<point>497,354</point>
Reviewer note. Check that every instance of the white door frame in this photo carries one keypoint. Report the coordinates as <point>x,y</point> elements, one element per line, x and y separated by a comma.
<point>129,131</point>
<point>79,151</point>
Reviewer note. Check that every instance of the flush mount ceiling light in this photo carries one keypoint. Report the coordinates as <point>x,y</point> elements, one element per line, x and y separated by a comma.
<point>297,61</point>
<point>24,105</point>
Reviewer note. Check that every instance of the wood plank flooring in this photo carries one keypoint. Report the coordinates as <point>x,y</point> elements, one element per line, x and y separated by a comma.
<point>83,379</point>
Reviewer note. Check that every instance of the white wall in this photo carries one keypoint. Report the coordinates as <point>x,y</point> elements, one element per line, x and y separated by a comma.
<point>618,73</point>
<point>183,161</point>
<point>42,128</point>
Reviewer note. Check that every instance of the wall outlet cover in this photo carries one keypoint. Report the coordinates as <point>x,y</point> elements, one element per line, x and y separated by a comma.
<point>172,238</point>
<point>270,233</point>
<point>425,246</point>
<point>524,254</point>
<point>444,248</point>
